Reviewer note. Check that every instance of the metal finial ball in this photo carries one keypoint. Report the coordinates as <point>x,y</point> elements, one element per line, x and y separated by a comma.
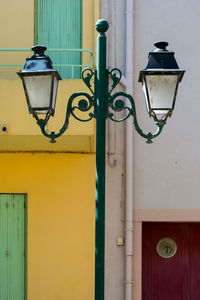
<point>38,49</point>
<point>161,45</point>
<point>102,26</point>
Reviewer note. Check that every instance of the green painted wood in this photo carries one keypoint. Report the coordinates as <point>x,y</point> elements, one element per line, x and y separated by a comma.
<point>12,247</point>
<point>58,24</point>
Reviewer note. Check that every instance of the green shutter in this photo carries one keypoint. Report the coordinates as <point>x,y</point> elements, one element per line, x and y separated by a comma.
<point>58,25</point>
<point>12,247</point>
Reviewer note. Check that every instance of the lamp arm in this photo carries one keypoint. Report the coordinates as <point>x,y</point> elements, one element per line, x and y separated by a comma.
<point>42,124</point>
<point>83,105</point>
<point>119,105</point>
<point>149,136</point>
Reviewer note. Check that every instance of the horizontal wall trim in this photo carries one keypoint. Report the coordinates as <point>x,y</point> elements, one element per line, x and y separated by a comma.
<point>171,215</point>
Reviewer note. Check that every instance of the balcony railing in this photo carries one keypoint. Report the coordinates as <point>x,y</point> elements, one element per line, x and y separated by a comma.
<point>76,60</point>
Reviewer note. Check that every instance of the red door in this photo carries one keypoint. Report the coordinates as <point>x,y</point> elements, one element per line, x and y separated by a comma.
<point>171,261</point>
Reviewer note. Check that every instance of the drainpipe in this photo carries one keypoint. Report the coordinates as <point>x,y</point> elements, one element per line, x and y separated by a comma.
<point>129,157</point>
<point>127,82</point>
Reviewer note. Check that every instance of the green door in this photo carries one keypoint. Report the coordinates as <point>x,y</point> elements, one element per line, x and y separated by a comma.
<point>58,25</point>
<point>13,246</point>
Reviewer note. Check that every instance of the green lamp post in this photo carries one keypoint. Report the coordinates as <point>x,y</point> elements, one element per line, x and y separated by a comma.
<point>160,81</point>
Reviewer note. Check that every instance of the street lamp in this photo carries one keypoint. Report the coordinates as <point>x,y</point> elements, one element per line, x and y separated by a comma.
<point>160,81</point>
<point>40,83</point>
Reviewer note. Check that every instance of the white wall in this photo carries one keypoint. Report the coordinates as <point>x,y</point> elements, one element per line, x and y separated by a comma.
<point>167,173</point>
<point>114,12</point>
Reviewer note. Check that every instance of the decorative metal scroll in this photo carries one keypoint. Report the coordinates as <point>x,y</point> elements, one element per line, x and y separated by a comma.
<point>87,76</point>
<point>124,102</point>
<point>116,76</point>
<point>82,107</point>
<point>78,105</point>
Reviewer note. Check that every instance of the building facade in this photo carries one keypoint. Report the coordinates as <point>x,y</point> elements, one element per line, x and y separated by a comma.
<point>47,207</point>
<point>47,190</point>
<point>165,179</point>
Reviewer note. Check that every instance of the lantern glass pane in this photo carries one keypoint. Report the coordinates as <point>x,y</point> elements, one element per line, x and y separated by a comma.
<point>55,88</point>
<point>161,91</point>
<point>39,92</point>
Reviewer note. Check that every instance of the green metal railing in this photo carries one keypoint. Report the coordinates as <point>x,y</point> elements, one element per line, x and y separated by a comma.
<point>72,66</point>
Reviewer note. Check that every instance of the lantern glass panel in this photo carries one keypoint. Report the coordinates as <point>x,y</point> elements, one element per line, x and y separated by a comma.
<point>161,91</point>
<point>55,88</point>
<point>39,90</point>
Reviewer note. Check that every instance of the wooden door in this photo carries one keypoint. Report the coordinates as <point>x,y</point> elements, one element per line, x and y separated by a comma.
<point>171,261</point>
<point>58,25</point>
<point>12,247</point>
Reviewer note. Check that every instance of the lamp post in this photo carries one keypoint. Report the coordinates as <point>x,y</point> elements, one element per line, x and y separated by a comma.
<point>160,81</point>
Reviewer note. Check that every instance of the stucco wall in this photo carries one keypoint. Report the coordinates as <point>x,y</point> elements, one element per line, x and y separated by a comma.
<point>17,31</point>
<point>23,134</point>
<point>60,186</point>
<point>167,172</point>
<point>114,12</point>
<point>60,190</point>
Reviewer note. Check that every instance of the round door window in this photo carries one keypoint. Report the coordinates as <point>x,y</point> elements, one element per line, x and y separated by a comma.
<point>166,247</point>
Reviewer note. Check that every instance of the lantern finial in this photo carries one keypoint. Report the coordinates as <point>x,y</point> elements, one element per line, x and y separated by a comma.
<point>161,46</point>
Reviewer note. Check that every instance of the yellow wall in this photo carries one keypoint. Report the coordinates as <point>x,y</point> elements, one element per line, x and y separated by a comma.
<point>17,31</point>
<point>17,18</point>
<point>60,186</point>
<point>60,189</point>
<point>23,134</point>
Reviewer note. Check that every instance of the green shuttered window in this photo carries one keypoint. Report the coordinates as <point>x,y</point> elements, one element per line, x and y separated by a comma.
<point>58,25</point>
<point>13,247</point>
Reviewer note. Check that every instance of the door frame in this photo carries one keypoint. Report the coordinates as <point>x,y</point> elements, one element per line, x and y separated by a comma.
<point>154,215</point>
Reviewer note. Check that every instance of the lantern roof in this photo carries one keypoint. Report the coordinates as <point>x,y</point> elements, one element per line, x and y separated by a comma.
<point>39,62</point>
<point>161,60</point>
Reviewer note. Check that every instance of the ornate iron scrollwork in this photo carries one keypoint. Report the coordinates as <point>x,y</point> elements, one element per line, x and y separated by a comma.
<point>124,102</point>
<point>116,76</point>
<point>87,75</point>
<point>119,102</point>
<point>84,105</point>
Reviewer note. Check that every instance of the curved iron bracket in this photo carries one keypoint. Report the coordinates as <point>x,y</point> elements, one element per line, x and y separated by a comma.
<point>82,102</point>
<point>83,105</point>
<point>78,103</point>
<point>124,102</point>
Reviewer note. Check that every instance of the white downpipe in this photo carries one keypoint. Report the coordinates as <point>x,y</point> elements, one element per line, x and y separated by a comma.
<point>129,157</point>
<point>123,81</point>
